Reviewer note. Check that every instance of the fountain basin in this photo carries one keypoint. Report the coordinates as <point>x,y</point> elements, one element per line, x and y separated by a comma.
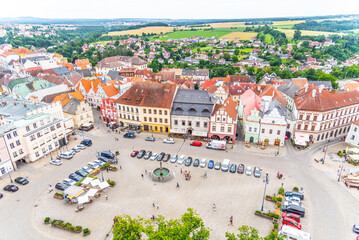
<point>159,175</point>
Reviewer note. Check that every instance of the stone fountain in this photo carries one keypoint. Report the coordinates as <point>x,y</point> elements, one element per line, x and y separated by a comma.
<point>161,174</point>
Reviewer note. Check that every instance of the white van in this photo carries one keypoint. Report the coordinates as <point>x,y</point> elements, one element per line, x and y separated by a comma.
<point>93,165</point>
<point>225,165</point>
<point>66,155</point>
<point>293,233</point>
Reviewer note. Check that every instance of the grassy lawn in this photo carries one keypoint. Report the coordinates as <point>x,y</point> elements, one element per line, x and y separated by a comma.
<point>186,34</point>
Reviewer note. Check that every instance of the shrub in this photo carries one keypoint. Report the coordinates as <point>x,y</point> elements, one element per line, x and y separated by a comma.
<point>59,194</point>
<point>296,188</point>
<point>279,205</point>
<point>78,228</point>
<point>276,226</point>
<point>79,182</point>
<point>281,191</point>
<point>268,196</point>
<point>111,182</point>
<point>47,219</point>
<point>86,230</point>
<point>259,212</point>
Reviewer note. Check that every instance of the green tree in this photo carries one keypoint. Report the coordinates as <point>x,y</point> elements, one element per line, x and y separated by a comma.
<point>274,236</point>
<point>127,228</point>
<point>297,35</point>
<point>236,52</point>
<point>196,86</point>
<point>245,233</point>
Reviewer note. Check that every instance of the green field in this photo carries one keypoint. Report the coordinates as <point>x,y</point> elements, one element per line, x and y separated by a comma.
<point>217,32</point>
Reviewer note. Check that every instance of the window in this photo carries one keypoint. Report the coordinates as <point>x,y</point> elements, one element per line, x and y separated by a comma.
<point>160,112</point>
<point>21,151</point>
<point>355,129</point>
<point>32,137</point>
<point>205,124</point>
<point>218,119</point>
<point>299,126</point>
<point>229,129</point>
<point>150,119</point>
<point>123,108</point>
<point>263,130</point>
<point>37,154</point>
<point>132,109</point>
<point>35,125</point>
<point>270,131</point>
<point>3,170</point>
<point>305,127</point>
<point>56,144</point>
<point>17,142</point>
<point>165,112</point>
<point>301,117</point>
<point>149,111</point>
<point>88,115</point>
<point>48,120</point>
<point>145,118</point>
<point>156,128</point>
<point>190,123</point>
<point>250,129</point>
<point>136,110</point>
<point>14,133</point>
<point>144,110</point>
<point>54,135</point>
<point>27,128</point>
<point>12,145</point>
<point>52,128</point>
<point>183,123</point>
<point>138,119</point>
<point>155,119</point>
<point>8,136</point>
<point>165,120</point>
<point>42,122</point>
<point>175,122</point>
<point>128,109</point>
<point>308,117</point>
<point>81,117</point>
<point>197,124</point>
<point>353,137</point>
<point>313,128</point>
<point>15,154</point>
<point>133,117</point>
<point>278,132</point>
<point>160,120</point>
<point>255,130</point>
<point>151,128</point>
<point>224,119</point>
<point>222,128</point>
<point>44,150</point>
<point>213,128</point>
<point>50,147</point>
<point>315,118</point>
<point>39,134</point>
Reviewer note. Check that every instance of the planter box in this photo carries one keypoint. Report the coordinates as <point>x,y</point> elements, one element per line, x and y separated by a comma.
<point>112,169</point>
<point>112,185</point>
<point>47,222</point>
<point>88,233</point>
<point>263,216</point>
<point>59,197</point>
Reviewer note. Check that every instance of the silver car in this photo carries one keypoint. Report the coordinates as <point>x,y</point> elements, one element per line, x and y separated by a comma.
<point>203,163</point>
<point>181,159</point>
<point>249,171</point>
<point>169,140</point>
<point>154,157</point>
<point>257,172</point>
<point>68,182</point>
<point>56,162</point>
<point>174,158</point>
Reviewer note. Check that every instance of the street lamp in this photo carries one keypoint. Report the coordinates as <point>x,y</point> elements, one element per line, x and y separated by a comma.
<point>9,171</point>
<point>341,169</point>
<point>266,181</point>
<point>325,151</point>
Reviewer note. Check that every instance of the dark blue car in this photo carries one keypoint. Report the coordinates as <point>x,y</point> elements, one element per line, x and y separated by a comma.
<point>86,142</point>
<point>75,177</point>
<point>107,154</point>
<point>129,135</point>
<point>210,164</point>
<point>103,159</point>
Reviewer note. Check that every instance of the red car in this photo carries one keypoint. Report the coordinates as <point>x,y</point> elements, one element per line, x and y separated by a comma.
<point>134,153</point>
<point>196,143</point>
<point>293,216</point>
<point>292,223</point>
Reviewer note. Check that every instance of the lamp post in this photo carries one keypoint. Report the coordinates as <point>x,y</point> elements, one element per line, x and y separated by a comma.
<point>266,181</point>
<point>9,171</point>
<point>325,152</point>
<point>341,169</point>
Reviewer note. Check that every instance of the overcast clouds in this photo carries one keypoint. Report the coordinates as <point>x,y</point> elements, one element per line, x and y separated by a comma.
<point>175,8</point>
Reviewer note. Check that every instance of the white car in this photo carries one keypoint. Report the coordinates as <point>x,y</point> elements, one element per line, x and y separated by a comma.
<point>56,162</point>
<point>174,158</point>
<point>99,162</point>
<point>76,149</point>
<point>181,159</point>
<point>93,165</point>
<point>87,169</point>
<point>293,199</point>
<point>66,155</point>
<point>169,140</point>
<point>154,157</point>
<point>203,163</point>
<point>81,146</point>
<point>249,171</point>
<point>68,182</point>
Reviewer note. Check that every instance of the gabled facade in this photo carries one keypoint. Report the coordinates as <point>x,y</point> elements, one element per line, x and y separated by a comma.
<point>108,110</point>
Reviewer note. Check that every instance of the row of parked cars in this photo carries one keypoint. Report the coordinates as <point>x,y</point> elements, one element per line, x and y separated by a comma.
<point>225,166</point>
<point>293,209</point>
<point>14,188</point>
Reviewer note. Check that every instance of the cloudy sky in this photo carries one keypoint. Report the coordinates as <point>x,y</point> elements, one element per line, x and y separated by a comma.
<point>189,9</point>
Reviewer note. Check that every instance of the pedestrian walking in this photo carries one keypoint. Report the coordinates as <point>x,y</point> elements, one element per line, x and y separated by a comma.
<point>153,204</point>
<point>107,169</point>
<point>106,197</point>
<point>181,170</point>
<point>153,217</point>
<point>158,206</point>
<point>205,174</point>
<point>142,175</point>
<point>282,185</point>
<point>120,167</point>
<point>146,171</point>
<point>177,185</point>
<point>231,221</point>
<point>214,206</point>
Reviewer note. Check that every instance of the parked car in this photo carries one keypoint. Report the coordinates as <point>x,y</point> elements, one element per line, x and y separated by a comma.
<point>217,166</point>
<point>356,228</point>
<point>249,171</point>
<point>86,127</point>
<point>75,177</point>
<point>81,146</point>
<point>293,199</point>
<point>174,158</point>
<point>87,169</point>
<point>11,188</point>
<point>150,139</point>
<point>76,149</point>
<point>107,154</point>
<point>134,153</point>
<point>56,161</point>
<point>141,154</point>
<point>169,140</point>
<point>161,156</point>
<point>240,169</point>
<point>72,151</point>
<point>294,194</point>
<point>66,155</point>
<point>292,223</point>
<point>93,165</point>
<point>210,164</point>
<point>86,142</point>
<point>294,209</point>
<point>68,182</point>
<point>196,162</point>
<point>99,162</point>
<point>196,143</point>
<point>203,163</point>
<point>257,172</point>
<point>166,157</point>
<point>103,159</point>
<point>188,161</point>
<point>129,135</point>
<point>293,216</point>
<point>21,180</point>
<point>181,159</point>
<point>233,168</point>
<point>81,172</point>
<point>147,155</point>
<point>61,186</point>
<point>154,156</point>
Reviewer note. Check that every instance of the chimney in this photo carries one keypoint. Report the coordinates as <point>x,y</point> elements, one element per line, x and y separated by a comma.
<point>14,103</point>
<point>313,93</point>
<point>306,88</point>
<point>321,88</point>
<point>91,84</point>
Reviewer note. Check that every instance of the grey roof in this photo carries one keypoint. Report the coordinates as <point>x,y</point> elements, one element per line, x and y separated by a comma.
<point>16,109</point>
<point>84,72</point>
<point>115,75</point>
<point>188,72</point>
<point>327,84</point>
<point>289,89</point>
<point>272,105</point>
<point>71,106</point>
<point>188,102</point>
<point>61,71</point>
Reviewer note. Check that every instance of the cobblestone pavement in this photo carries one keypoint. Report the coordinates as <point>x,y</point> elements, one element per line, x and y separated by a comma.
<point>330,209</point>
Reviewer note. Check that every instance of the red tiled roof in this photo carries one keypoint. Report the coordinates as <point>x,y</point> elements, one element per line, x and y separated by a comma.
<point>300,82</point>
<point>229,106</point>
<point>270,90</point>
<point>208,83</point>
